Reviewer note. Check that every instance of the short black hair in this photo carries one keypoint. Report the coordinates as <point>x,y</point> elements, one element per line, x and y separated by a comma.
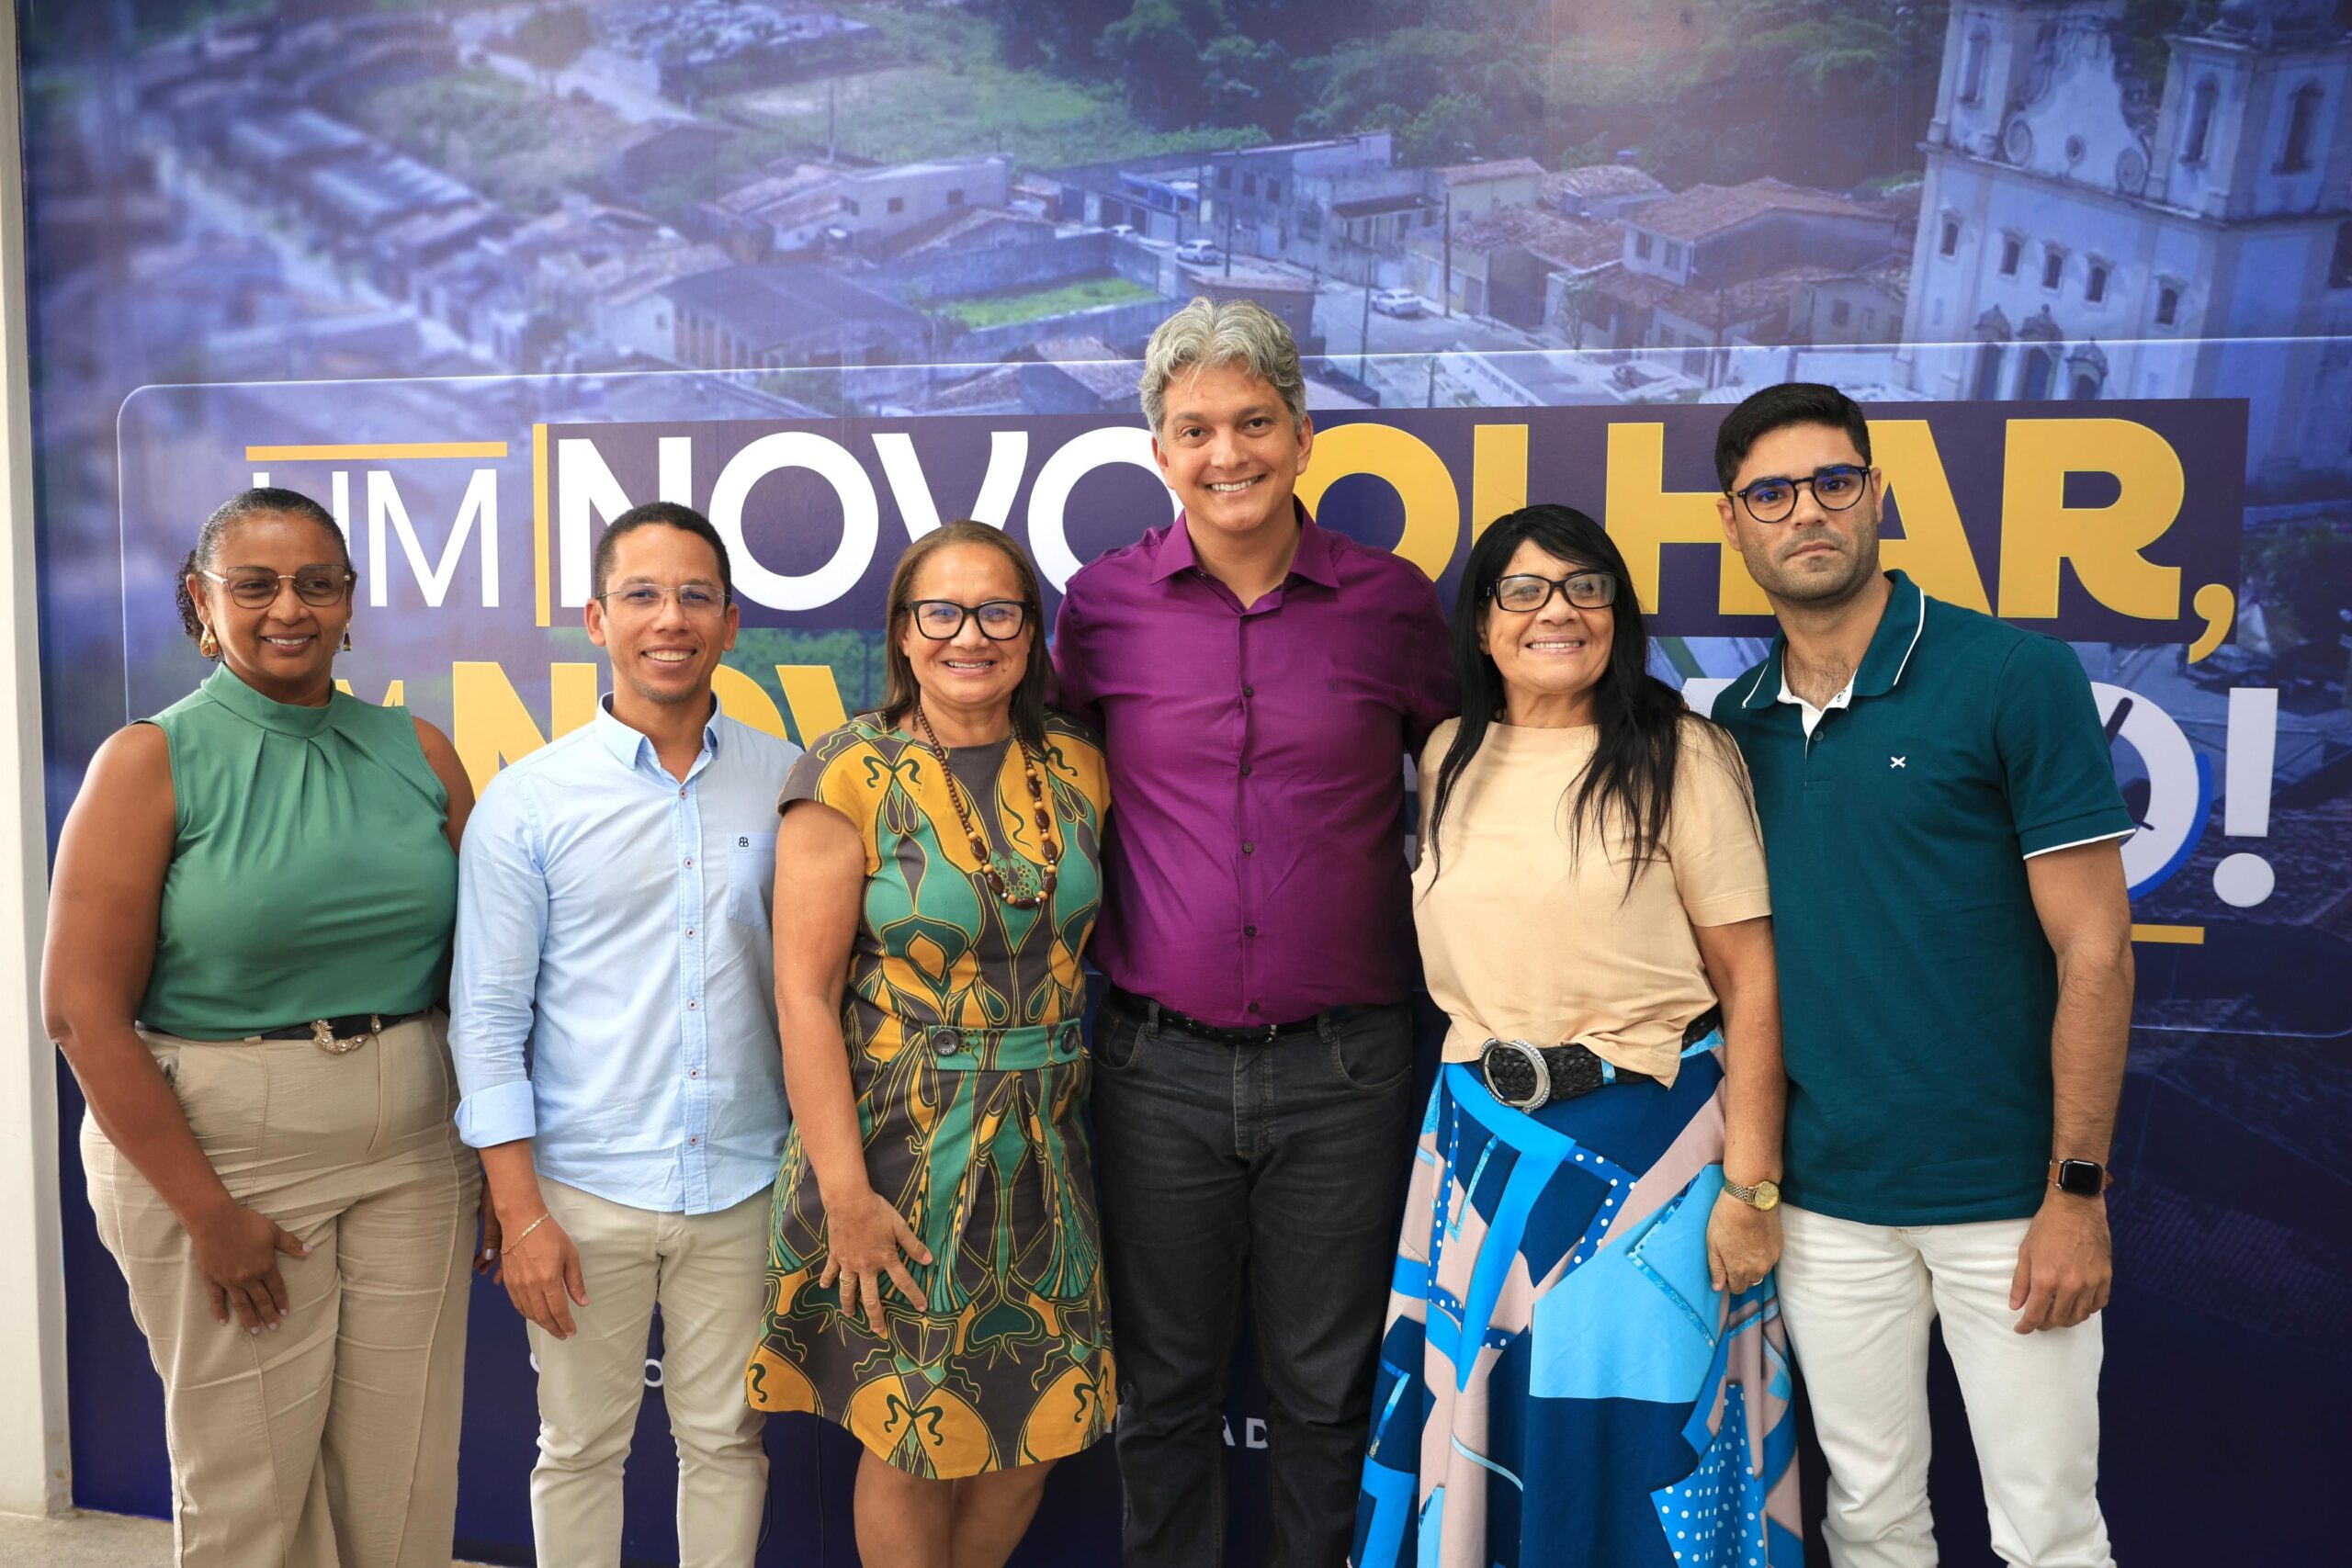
<point>265,501</point>
<point>661,514</point>
<point>1776,408</point>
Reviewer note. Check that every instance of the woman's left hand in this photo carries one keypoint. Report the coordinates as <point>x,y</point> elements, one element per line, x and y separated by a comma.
<point>1743,1243</point>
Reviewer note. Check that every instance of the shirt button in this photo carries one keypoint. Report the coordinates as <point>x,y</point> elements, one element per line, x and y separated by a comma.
<point>1249,691</point>
<point>691,1006</point>
<point>1245,770</point>
<point>690,930</point>
<point>681,792</point>
<point>691,1142</point>
<point>690,860</point>
<point>693,1072</point>
<point>1248,848</point>
<point>948,1041</point>
<point>1253,1006</point>
<point>1249,931</point>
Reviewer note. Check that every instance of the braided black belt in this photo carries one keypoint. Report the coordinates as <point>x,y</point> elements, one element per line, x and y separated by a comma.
<point>1527,1077</point>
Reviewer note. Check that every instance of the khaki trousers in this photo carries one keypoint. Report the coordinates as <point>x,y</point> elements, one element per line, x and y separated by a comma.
<point>709,1274</point>
<point>331,1442</point>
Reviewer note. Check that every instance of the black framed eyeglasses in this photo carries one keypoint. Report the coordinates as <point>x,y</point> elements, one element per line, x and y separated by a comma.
<point>941,619</point>
<point>1524,591</point>
<point>1771,499</point>
<point>257,590</point>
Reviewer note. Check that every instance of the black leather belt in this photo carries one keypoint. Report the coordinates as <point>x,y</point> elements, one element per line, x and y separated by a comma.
<point>1152,1014</point>
<point>1528,1078</point>
<point>337,1035</point>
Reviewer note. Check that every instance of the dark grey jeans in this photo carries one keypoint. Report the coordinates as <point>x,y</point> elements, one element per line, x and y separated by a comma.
<point>1277,1169</point>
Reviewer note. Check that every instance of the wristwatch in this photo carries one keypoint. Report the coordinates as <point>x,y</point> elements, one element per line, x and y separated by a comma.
<point>1764,1197</point>
<point>2080,1177</point>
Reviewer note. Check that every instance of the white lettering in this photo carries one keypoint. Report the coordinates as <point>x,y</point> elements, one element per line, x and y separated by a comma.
<point>1048,543</point>
<point>586,486</point>
<point>861,518</point>
<point>385,513</point>
<point>1008,455</point>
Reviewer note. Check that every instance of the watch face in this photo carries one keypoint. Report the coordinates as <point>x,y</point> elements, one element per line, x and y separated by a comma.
<point>2081,1178</point>
<point>1768,1195</point>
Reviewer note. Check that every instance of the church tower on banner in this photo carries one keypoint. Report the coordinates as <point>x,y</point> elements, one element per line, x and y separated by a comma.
<point>2085,233</point>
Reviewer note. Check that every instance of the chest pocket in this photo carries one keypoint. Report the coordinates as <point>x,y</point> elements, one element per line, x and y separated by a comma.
<point>751,878</point>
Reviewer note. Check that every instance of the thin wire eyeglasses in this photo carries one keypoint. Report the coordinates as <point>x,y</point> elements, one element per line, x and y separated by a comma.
<point>1524,591</point>
<point>942,619</point>
<point>643,598</point>
<point>258,589</point>
<point>1771,500</point>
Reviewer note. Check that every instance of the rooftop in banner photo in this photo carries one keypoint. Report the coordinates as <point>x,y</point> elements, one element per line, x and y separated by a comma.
<point>443,178</point>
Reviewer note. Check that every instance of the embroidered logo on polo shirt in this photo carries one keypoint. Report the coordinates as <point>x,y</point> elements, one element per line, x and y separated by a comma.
<point>1897,761</point>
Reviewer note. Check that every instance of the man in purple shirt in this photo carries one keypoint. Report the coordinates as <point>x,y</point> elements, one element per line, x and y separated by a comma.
<point>1258,681</point>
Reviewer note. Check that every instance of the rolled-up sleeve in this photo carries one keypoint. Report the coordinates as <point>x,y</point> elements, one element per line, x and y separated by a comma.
<point>501,922</point>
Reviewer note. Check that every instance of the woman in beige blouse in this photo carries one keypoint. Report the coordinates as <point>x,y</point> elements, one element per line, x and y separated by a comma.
<point>1584,1355</point>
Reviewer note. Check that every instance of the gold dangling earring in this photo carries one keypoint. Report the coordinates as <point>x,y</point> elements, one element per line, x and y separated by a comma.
<point>209,645</point>
<point>346,640</point>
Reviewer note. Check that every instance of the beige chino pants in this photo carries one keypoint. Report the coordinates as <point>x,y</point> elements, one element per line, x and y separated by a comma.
<point>331,1441</point>
<point>709,1274</point>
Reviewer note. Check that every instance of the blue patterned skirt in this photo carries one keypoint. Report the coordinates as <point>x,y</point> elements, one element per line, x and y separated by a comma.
<point>1559,1383</point>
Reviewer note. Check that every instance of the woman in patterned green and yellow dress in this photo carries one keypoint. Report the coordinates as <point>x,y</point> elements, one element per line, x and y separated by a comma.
<point>935,1282</point>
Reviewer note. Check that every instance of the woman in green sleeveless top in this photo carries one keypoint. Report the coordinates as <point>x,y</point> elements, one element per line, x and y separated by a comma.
<point>248,942</point>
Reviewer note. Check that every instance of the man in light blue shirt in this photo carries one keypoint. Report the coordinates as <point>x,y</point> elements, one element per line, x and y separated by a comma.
<point>613,1018</point>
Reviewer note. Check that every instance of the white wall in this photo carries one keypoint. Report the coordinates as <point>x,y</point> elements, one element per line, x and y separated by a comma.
<point>34,1475</point>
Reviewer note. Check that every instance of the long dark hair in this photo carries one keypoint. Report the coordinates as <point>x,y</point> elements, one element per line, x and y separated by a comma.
<point>900,691</point>
<point>1629,780</point>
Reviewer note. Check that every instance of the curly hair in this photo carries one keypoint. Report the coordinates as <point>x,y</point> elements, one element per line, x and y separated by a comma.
<point>265,502</point>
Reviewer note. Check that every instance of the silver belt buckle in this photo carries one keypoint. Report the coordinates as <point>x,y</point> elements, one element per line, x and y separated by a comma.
<point>1533,1058</point>
<point>323,1035</point>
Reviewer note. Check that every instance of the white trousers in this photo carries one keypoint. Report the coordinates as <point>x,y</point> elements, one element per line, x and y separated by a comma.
<point>708,1272</point>
<point>1858,1301</point>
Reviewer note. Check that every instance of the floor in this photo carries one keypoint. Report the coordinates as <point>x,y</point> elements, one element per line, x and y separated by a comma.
<point>85,1540</point>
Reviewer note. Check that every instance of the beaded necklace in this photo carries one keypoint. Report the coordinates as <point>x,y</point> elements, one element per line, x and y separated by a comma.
<point>990,869</point>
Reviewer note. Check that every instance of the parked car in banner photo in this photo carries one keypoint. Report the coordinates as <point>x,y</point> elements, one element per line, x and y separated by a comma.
<point>1200,252</point>
<point>1397,302</point>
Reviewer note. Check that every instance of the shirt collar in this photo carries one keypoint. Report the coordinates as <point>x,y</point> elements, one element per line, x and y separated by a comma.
<point>627,744</point>
<point>1889,654</point>
<point>284,718</point>
<point>1316,558</point>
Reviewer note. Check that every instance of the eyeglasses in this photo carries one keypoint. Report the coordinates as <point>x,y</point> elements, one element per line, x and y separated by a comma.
<point>941,619</point>
<point>1524,591</point>
<point>645,598</point>
<point>258,589</point>
<point>1836,487</point>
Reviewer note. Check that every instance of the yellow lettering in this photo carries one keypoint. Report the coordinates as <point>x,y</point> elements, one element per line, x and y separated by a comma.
<point>2039,530</point>
<point>492,725</point>
<point>814,698</point>
<point>1934,546</point>
<point>1498,474</point>
<point>394,694</point>
<point>740,696</point>
<point>1642,517</point>
<point>1408,464</point>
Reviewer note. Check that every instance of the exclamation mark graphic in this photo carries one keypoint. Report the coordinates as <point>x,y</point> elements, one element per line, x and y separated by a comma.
<point>2244,879</point>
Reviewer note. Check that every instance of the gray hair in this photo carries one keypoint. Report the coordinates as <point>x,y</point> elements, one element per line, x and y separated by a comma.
<point>1210,334</point>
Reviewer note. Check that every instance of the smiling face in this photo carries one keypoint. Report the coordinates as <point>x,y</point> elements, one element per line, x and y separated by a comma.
<point>285,650</point>
<point>1814,557</point>
<point>966,680</point>
<point>663,653</point>
<point>1229,449</point>
<point>1552,658</point>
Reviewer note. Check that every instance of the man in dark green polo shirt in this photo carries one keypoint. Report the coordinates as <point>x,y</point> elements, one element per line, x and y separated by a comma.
<point>1943,830</point>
